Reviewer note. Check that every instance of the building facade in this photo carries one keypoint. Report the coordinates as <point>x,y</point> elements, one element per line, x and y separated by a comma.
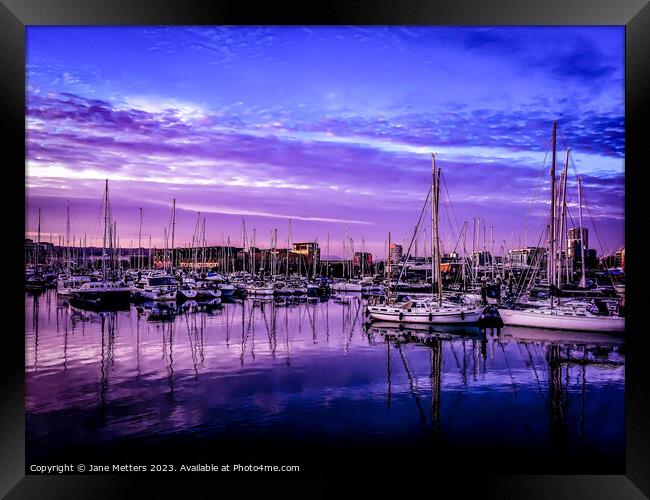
<point>395,253</point>
<point>573,242</point>
<point>527,256</point>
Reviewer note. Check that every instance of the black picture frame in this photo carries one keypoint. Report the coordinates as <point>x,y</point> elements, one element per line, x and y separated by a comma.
<point>633,14</point>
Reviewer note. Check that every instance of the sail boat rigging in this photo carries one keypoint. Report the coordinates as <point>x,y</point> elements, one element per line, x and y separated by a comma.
<point>105,292</point>
<point>578,317</point>
<point>433,309</point>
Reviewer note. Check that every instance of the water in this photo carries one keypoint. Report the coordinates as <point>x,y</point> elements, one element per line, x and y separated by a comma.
<point>308,383</point>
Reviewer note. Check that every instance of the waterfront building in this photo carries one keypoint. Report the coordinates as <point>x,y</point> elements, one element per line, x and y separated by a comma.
<point>362,258</point>
<point>520,257</point>
<point>395,253</point>
<point>573,242</point>
<point>310,251</point>
<point>43,250</point>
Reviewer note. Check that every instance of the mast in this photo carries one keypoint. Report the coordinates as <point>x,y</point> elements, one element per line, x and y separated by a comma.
<point>253,254</point>
<point>165,253</point>
<point>551,254</point>
<point>433,223</point>
<point>351,261</point>
<point>275,251</point>
<point>492,249</point>
<point>229,256</point>
<point>562,221</point>
<point>583,281</point>
<point>203,245</point>
<point>462,267</point>
<point>475,237</point>
<point>435,192</point>
<point>288,245</point>
<point>113,244</point>
<point>195,242</point>
<point>171,267</point>
<point>67,231</point>
<point>389,269</point>
<point>328,255</point>
<point>315,259</point>
<point>105,232</point>
<point>140,242</point>
<point>38,238</point>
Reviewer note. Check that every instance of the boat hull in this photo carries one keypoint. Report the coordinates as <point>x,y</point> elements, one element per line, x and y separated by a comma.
<point>346,287</point>
<point>227,291</point>
<point>260,291</point>
<point>186,295</point>
<point>208,294</point>
<point>119,297</point>
<point>154,295</point>
<point>453,316</point>
<point>558,321</point>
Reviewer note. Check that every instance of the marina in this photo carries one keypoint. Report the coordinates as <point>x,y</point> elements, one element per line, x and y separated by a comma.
<point>546,290</point>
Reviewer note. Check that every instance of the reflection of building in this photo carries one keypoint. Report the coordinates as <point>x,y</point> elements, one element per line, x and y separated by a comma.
<point>526,256</point>
<point>573,242</point>
<point>395,253</point>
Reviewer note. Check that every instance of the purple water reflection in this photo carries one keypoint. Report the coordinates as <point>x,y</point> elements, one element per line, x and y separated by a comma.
<point>312,373</point>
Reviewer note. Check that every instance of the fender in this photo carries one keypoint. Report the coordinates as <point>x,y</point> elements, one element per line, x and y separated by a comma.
<point>430,316</point>
<point>462,315</point>
<point>401,316</point>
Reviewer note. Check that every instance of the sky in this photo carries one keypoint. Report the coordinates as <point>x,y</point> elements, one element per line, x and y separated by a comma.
<point>329,127</point>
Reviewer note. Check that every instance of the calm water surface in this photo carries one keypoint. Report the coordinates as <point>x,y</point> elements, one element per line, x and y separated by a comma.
<point>250,375</point>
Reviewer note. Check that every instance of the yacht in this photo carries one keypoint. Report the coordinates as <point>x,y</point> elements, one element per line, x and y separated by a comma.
<point>101,293</point>
<point>431,309</point>
<point>260,288</point>
<point>563,317</point>
<point>66,285</point>
<point>426,311</point>
<point>156,287</point>
<point>347,286</point>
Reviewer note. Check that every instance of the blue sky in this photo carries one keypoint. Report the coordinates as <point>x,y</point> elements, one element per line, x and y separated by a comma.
<point>328,126</point>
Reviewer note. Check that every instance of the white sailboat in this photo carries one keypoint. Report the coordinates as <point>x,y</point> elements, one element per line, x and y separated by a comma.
<point>434,309</point>
<point>104,292</point>
<point>347,286</point>
<point>260,288</point>
<point>562,318</point>
<point>554,315</point>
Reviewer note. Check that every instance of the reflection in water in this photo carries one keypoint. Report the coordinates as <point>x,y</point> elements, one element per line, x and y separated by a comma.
<point>312,370</point>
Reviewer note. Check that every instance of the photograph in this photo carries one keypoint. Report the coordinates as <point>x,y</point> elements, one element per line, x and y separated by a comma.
<point>257,248</point>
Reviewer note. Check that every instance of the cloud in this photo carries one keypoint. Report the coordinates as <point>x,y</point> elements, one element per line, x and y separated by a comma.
<point>235,120</point>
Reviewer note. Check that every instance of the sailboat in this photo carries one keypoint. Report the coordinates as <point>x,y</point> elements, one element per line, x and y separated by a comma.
<point>34,280</point>
<point>429,310</point>
<point>104,292</point>
<point>577,317</point>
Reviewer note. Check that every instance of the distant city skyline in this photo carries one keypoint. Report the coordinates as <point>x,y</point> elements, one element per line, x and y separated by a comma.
<point>327,126</point>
